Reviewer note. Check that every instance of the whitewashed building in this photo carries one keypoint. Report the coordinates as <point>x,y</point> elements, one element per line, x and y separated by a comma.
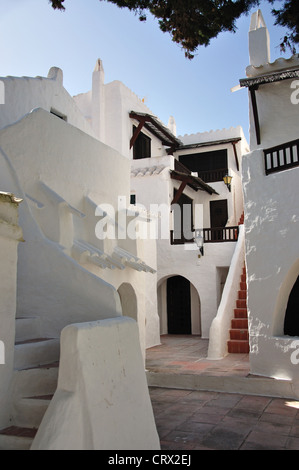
<point>169,172</point>
<point>76,266</point>
<point>270,179</point>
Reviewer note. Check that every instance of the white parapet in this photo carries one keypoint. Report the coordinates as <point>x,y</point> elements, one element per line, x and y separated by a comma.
<point>102,400</point>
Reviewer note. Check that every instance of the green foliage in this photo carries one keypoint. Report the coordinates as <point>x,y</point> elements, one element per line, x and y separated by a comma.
<point>193,23</point>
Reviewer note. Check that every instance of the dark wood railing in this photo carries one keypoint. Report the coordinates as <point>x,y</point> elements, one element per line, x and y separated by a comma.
<point>210,235</point>
<point>211,176</point>
<point>221,234</point>
<point>208,176</point>
<point>181,240</point>
<point>282,157</point>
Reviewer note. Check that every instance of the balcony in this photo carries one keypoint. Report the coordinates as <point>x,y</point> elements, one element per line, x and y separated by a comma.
<point>282,157</point>
<point>210,235</point>
<point>221,234</point>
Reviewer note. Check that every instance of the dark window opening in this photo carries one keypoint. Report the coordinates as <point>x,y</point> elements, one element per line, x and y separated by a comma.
<point>142,146</point>
<point>291,321</point>
<point>210,166</point>
<point>183,230</point>
<point>133,199</point>
<point>58,114</point>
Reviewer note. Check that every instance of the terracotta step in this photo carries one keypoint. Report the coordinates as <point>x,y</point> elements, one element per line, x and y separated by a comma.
<point>239,323</point>
<point>243,285</point>
<point>243,278</point>
<point>242,295</point>
<point>238,346</point>
<point>16,438</point>
<point>241,303</point>
<point>239,334</point>
<point>240,313</point>
<point>19,431</point>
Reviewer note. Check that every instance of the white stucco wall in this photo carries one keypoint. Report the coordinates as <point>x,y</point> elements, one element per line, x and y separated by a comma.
<point>102,400</point>
<point>274,108</point>
<point>272,254</point>
<point>23,94</point>
<point>64,174</point>
<point>271,218</point>
<point>157,190</point>
<point>107,107</point>
<point>10,235</point>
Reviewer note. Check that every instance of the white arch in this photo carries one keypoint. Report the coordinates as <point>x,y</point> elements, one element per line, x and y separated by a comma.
<point>128,300</point>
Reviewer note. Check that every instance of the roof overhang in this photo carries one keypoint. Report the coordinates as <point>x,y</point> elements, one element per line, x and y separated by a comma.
<point>233,140</point>
<point>156,128</point>
<point>194,182</point>
<point>253,84</point>
<point>270,78</point>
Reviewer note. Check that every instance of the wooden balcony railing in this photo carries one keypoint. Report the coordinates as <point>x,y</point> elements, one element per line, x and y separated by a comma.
<point>208,176</point>
<point>211,176</point>
<point>282,157</point>
<point>179,239</point>
<point>221,234</point>
<point>210,235</point>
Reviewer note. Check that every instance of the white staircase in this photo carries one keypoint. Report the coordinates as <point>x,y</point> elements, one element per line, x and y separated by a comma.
<point>34,383</point>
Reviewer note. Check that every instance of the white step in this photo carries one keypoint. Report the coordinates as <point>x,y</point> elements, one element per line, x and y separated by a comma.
<point>36,352</point>
<point>29,412</point>
<point>35,382</point>
<point>27,328</point>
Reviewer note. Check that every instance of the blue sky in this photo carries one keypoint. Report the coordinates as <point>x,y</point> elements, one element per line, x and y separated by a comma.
<point>34,37</point>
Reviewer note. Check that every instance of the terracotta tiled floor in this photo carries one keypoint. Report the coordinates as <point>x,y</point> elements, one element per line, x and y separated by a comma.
<point>204,420</point>
<point>180,353</point>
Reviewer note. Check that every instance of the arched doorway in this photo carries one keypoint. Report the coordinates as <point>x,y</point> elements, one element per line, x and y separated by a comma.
<point>128,300</point>
<point>291,320</point>
<point>178,306</point>
<point>169,288</point>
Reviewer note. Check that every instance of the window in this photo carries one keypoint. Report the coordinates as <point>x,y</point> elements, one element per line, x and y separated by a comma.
<point>133,199</point>
<point>142,146</point>
<point>58,114</point>
<point>210,166</point>
<point>182,221</point>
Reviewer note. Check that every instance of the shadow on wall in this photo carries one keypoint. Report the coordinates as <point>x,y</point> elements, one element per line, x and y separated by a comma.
<point>128,300</point>
<point>286,312</point>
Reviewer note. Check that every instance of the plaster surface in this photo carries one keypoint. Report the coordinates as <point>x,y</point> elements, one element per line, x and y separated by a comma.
<point>102,400</point>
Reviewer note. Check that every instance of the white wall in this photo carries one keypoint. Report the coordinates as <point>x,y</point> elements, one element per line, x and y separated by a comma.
<point>173,260</point>
<point>107,107</point>
<point>10,235</point>
<point>76,169</point>
<point>272,254</point>
<point>23,94</point>
<point>271,222</point>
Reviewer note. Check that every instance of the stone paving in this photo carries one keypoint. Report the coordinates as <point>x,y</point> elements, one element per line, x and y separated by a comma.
<point>210,420</point>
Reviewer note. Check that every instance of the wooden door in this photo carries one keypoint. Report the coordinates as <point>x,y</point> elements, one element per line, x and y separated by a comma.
<point>178,306</point>
<point>218,217</point>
